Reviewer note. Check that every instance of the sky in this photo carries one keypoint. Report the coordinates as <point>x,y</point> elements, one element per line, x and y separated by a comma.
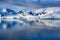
<point>26,0</point>
<point>32,4</point>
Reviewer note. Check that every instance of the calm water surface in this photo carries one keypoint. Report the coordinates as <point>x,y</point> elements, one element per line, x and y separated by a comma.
<point>15,29</point>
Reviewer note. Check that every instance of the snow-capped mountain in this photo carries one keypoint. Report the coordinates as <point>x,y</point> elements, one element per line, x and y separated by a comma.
<point>48,12</point>
<point>6,11</point>
<point>51,12</point>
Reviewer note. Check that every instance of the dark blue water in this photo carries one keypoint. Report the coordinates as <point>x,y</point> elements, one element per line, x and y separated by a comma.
<point>29,30</point>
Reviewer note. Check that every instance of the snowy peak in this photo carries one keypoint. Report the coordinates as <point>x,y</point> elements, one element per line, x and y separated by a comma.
<point>4,10</point>
<point>9,11</point>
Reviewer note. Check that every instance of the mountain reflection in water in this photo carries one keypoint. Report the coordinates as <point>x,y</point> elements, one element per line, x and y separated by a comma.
<point>29,30</point>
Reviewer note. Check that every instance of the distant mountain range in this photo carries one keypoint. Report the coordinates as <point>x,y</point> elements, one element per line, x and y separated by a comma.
<point>51,12</point>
